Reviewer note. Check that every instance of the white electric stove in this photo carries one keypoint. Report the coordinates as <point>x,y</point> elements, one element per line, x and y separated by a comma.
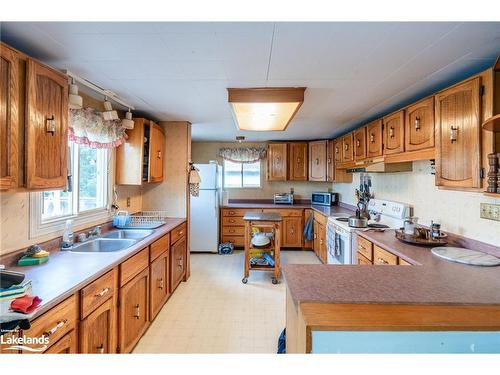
<point>340,241</point>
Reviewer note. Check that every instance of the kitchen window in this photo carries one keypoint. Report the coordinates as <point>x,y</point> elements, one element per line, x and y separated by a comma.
<point>88,199</point>
<point>241,175</point>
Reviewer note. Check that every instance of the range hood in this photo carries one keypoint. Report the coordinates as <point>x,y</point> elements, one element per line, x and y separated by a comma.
<point>379,165</point>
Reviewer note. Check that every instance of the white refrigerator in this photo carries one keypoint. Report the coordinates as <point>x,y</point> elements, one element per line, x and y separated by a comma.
<point>204,210</point>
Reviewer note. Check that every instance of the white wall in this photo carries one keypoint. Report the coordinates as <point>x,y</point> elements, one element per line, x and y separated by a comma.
<point>457,211</point>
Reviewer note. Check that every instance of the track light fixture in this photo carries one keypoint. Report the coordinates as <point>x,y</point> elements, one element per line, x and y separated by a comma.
<point>127,122</point>
<point>109,114</point>
<point>75,101</point>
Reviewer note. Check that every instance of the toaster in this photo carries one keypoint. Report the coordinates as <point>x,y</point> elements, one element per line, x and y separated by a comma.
<point>283,198</point>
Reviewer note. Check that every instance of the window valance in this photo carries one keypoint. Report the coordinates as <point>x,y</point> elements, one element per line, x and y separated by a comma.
<point>243,154</point>
<point>88,127</point>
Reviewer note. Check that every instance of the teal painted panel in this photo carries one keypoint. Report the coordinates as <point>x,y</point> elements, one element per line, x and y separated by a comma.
<point>405,342</point>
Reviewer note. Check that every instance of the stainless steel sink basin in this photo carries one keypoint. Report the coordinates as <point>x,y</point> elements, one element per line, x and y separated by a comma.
<point>135,234</point>
<point>102,245</point>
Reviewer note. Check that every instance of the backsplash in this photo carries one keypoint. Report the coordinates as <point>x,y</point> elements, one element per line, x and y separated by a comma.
<point>457,211</point>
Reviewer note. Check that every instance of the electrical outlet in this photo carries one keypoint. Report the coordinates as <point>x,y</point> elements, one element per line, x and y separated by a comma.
<point>128,201</point>
<point>490,211</point>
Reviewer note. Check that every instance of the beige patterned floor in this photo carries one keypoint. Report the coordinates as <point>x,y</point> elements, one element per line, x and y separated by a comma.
<point>213,312</point>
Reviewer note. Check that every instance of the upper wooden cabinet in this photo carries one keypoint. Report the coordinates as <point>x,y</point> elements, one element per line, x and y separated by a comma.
<point>9,107</point>
<point>394,133</point>
<point>317,160</point>
<point>458,138</point>
<point>140,159</point>
<point>360,144</point>
<point>337,150</point>
<point>374,144</point>
<point>419,125</point>
<point>297,161</point>
<point>330,161</point>
<point>347,149</point>
<point>277,161</point>
<point>46,127</point>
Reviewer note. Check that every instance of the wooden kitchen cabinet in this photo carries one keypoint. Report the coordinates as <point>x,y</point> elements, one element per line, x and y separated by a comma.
<point>319,245</point>
<point>159,283</point>
<point>383,257</point>
<point>133,311</point>
<point>68,344</point>
<point>9,107</point>
<point>347,148</point>
<point>297,161</point>
<point>337,150</point>
<point>46,127</point>
<point>330,161</point>
<point>374,139</point>
<point>360,144</point>
<point>363,261</point>
<point>458,160</point>
<point>141,158</point>
<point>98,330</point>
<point>277,157</point>
<point>292,232</point>
<point>177,262</point>
<point>419,125</point>
<point>317,160</point>
<point>394,133</point>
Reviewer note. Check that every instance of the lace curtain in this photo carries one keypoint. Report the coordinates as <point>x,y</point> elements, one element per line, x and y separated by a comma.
<point>87,127</point>
<point>243,154</point>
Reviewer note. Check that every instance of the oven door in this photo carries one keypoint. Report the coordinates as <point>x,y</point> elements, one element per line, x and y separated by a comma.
<point>340,252</point>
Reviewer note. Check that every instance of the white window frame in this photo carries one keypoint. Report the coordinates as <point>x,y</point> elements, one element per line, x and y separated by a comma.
<point>39,227</point>
<point>241,187</point>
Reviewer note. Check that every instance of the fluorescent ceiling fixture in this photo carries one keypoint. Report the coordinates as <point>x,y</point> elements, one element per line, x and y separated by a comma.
<point>265,109</point>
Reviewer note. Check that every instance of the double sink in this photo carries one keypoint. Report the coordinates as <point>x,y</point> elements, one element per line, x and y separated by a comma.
<point>112,241</point>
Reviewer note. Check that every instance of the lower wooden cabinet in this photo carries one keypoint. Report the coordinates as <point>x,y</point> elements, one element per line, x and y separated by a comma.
<point>159,284</point>
<point>177,262</point>
<point>68,344</point>
<point>320,241</point>
<point>291,232</point>
<point>363,261</point>
<point>98,330</point>
<point>133,311</point>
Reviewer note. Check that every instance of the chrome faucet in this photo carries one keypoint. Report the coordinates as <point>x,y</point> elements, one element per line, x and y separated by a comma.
<point>94,232</point>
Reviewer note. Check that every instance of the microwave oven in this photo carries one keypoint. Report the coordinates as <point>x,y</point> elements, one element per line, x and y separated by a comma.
<point>324,198</point>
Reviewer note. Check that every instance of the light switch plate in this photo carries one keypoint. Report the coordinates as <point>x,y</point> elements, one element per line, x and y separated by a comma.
<point>490,211</point>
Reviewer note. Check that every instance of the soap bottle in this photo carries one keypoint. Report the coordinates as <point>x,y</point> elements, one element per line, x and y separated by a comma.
<point>67,240</point>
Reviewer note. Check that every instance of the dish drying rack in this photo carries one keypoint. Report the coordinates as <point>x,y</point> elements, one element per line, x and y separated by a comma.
<point>145,220</point>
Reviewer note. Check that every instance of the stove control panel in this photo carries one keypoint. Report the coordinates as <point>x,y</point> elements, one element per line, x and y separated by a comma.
<point>389,208</point>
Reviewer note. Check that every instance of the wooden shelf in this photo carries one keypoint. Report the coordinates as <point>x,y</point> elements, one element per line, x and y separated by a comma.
<point>492,124</point>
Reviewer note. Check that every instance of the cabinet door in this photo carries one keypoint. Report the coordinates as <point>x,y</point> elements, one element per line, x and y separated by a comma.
<point>347,149</point>
<point>374,144</point>
<point>177,262</point>
<point>156,154</point>
<point>360,144</point>
<point>277,162</point>
<point>159,283</point>
<point>337,150</point>
<point>316,243</point>
<point>98,330</point>
<point>47,128</point>
<point>66,345</point>
<point>330,162</point>
<point>9,107</point>
<point>133,311</point>
<point>297,161</point>
<point>292,232</point>
<point>322,243</point>
<point>458,160</point>
<point>419,125</point>
<point>394,133</point>
<point>129,156</point>
<point>317,161</point>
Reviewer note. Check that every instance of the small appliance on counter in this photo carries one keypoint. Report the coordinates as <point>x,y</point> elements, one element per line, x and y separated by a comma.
<point>324,198</point>
<point>283,198</point>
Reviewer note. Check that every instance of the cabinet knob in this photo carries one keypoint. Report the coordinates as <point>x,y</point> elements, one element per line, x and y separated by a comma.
<point>417,123</point>
<point>453,133</point>
<point>383,261</point>
<point>137,313</point>
<point>358,143</point>
<point>372,138</point>
<point>161,283</point>
<point>159,155</point>
<point>391,132</point>
<point>346,147</point>
<point>317,161</point>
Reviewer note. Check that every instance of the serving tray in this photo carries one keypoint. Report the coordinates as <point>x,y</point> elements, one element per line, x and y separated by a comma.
<point>419,241</point>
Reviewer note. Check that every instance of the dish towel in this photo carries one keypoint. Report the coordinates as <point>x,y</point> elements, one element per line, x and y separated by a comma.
<point>309,229</point>
<point>194,181</point>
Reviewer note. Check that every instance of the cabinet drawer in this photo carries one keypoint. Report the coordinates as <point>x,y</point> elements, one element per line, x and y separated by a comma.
<point>66,345</point>
<point>177,233</point>
<point>235,240</point>
<point>233,221</point>
<point>285,212</point>
<point>365,247</point>
<point>56,322</point>
<point>362,260</point>
<point>238,211</point>
<point>159,246</point>
<point>320,218</point>
<point>133,266</point>
<point>233,231</point>
<point>98,292</point>
<point>383,257</point>
<point>403,262</point>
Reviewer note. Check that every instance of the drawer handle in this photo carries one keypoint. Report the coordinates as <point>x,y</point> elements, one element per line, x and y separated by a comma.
<point>102,292</point>
<point>231,212</point>
<point>321,241</point>
<point>231,220</point>
<point>346,147</point>
<point>372,138</point>
<point>50,125</point>
<point>180,233</point>
<point>231,230</point>
<point>391,132</point>
<point>358,143</point>
<point>453,134</point>
<point>382,261</point>
<point>179,262</point>
<point>50,332</point>
<point>100,349</point>
<point>161,283</point>
<point>159,155</point>
<point>137,313</point>
<point>417,123</point>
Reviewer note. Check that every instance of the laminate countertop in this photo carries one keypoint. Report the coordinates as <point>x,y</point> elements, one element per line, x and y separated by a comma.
<point>324,210</point>
<point>66,272</point>
<point>431,280</point>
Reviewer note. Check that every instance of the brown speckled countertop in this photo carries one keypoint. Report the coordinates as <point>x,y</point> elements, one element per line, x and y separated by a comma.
<point>325,210</point>
<point>430,281</point>
<point>67,272</point>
